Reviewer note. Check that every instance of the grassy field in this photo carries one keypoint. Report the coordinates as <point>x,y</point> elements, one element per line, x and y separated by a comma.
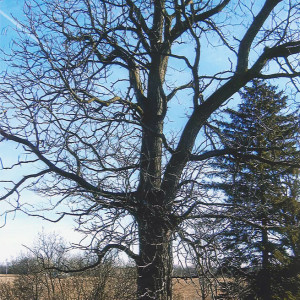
<point>183,289</point>
<point>7,278</point>
<point>186,289</point>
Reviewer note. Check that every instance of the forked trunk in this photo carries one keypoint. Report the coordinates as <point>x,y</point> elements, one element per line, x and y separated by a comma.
<point>155,268</point>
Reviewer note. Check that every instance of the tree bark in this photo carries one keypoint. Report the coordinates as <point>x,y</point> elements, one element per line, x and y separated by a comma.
<point>265,280</point>
<point>155,266</point>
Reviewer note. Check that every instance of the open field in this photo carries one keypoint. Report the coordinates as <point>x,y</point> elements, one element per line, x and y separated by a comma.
<point>183,289</point>
<point>7,278</point>
<point>186,289</point>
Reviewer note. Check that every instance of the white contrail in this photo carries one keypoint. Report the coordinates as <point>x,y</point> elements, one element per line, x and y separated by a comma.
<point>17,24</point>
<point>9,18</point>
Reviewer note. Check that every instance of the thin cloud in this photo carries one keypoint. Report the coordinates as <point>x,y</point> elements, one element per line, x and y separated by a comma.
<point>17,24</point>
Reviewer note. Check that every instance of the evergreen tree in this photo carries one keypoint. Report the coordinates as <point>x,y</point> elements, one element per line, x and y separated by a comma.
<point>261,186</point>
<point>107,103</point>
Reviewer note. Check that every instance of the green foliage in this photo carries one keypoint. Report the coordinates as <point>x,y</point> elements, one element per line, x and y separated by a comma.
<point>261,184</point>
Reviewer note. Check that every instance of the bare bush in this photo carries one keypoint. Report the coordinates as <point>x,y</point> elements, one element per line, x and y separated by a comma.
<point>107,283</point>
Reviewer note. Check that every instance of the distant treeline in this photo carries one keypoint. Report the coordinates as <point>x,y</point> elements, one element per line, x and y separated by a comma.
<point>19,266</point>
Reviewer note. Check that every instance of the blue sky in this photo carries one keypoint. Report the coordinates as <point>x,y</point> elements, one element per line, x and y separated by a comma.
<point>20,229</point>
<point>7,9</point>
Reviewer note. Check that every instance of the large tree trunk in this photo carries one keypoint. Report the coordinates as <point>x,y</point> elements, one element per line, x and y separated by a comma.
<point>265,280</point>
<point>155,267</point>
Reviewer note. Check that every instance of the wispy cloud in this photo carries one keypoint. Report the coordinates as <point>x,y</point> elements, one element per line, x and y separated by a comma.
<point>17,24</point>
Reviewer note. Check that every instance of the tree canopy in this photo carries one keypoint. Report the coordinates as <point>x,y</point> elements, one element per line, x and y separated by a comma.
<point>262,198</point>
<point>111,102</point>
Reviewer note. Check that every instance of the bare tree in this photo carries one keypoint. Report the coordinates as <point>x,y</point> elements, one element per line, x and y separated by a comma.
<point>34,277</point>
<point>110,102</point>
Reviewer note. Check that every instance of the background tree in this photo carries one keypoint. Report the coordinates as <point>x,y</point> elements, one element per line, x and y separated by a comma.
<point>33,278</point>
<point>262,198</point>
<point>90,94</point>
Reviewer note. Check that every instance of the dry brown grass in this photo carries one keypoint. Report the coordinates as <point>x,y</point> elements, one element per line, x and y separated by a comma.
<point>186,289</point>
<point>41,287</point>
<point>14,287</point>
<point>7,278</point>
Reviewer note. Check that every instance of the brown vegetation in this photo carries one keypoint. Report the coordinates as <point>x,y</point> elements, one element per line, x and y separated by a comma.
<point>23,287</point>
<point>111,106</point>
<point>44,287</point>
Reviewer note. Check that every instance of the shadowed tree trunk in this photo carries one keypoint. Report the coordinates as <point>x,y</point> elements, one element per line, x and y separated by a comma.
<point>264,283</point>
<point>155,264</point>
<point>88,92</point>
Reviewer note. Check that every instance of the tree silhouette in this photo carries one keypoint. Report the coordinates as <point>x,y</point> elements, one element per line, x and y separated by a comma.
<point>261,197</point>
<point>110,102</point>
